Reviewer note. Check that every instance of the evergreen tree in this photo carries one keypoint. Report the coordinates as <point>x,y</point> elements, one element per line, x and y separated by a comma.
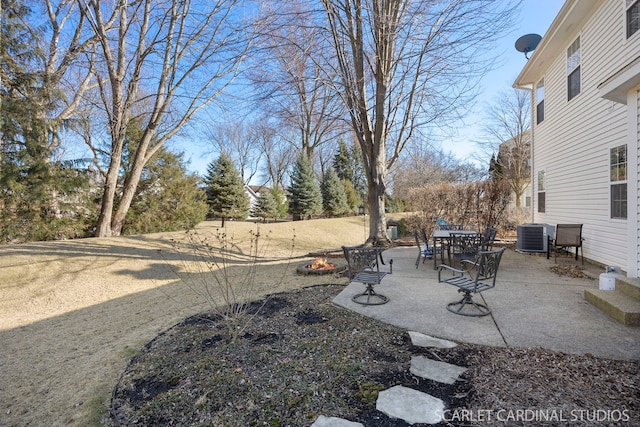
<point>226,195</point>
<point>282,205</point>
<point>168,197</point>
<point>306,198</point>
<point>354,200</point>
<point>40,198</point>
<point>348,165</point>
<point>334,198</point>
<point>266,206</point>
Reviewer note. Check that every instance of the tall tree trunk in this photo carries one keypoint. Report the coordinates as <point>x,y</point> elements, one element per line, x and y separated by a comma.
<point>377,217</point>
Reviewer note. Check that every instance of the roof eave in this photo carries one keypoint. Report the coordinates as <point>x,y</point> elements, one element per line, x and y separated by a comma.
<point>559,34</point>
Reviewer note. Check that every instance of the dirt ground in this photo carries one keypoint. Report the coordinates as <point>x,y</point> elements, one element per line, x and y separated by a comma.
<point>74,312</point>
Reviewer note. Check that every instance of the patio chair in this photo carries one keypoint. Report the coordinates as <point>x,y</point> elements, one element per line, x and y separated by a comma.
<point>424,251</point>
<point>464,246</point>
<point>364,267</point>
<point>435,249</point>
<point>567,236</point>
<point>486,270</point>
<point>451,227</point>
<point>489,236</point>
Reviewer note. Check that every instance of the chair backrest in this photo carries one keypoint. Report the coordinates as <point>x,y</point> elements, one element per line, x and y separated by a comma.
<point>415,234</point>
<point>425,239</point>
<point>465,244</point>
<point>568,235</point>
<point>487,265</point>
<point>488,238</point>
<point>362,258</point>
<point>456,227</point>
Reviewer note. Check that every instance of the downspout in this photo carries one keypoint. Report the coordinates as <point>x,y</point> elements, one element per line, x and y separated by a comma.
<point>531,90</point>
<point>531,170</point>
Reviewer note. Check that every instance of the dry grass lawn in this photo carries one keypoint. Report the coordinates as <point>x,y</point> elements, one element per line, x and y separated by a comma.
<point>74,312</point>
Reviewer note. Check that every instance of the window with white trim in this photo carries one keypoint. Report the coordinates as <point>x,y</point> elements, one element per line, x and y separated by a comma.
<point>573,69</point>
<point>540,101</point>
<point>633,16</point>
<point>542,194</point>
<point>618,177</point>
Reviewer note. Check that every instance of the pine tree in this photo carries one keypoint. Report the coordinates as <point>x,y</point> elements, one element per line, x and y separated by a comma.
<point>354,200</point>
<point>226,195</point>
<point>306,198</point>
<point>348,165</point>
<point>266,206</point>
<point>334,198</point>
<point>168,197</point>
<point>40,198</point>
<point>282,204</point>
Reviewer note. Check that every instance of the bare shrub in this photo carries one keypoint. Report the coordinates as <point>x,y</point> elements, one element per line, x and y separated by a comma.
<point>222,271</point>
<point>475,204</point>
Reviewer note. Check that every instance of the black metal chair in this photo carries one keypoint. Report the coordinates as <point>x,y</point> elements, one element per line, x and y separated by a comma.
<point>567,236</point>
<point>435,249</point>
<point>489,236</point>
<point>364,267</point>
<point>424,250</point>
<point>463,246</point>
<point>486,270</point>
<point>456,227</point>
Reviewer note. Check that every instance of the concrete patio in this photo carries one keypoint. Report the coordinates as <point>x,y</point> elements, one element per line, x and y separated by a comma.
<point>531,307</point>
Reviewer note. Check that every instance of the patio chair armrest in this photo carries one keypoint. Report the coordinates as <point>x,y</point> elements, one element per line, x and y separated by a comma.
<point>442,267</point>
<point>472,265</point>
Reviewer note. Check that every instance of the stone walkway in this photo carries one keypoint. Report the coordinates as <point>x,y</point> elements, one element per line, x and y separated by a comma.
<point>405,403</point>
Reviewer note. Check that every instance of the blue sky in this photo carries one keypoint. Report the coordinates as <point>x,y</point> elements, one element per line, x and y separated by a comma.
<point>535,16</point>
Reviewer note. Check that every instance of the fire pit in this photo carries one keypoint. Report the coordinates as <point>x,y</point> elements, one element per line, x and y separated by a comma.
<point>320,266</point>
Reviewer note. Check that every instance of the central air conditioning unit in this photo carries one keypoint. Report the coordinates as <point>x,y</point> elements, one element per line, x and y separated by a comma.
<point>534,237</point>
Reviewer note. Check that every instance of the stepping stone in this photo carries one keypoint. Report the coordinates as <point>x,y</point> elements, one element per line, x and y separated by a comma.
<point>434,370</point>
<point>323,421</point>
<point>422,340</point>
<point>410,405</point>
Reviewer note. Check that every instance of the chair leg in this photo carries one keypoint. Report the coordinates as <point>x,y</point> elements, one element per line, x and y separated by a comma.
<point>370,297</point>
<point>480,309</point>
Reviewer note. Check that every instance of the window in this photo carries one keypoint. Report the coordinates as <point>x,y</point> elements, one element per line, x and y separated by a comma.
<point>542,185</point>
<point>633,16</point>
<point>573,69</point>
<point>540,101</point>
<point>618,168</point>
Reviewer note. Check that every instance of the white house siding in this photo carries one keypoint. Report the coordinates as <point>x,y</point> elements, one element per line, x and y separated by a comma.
<point>572,143</point>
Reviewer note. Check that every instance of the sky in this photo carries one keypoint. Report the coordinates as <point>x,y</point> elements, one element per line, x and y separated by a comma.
<point>535,16</point>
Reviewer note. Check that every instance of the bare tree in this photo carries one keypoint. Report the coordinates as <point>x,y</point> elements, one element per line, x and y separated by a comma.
<point>160,62</point>
<point>507,133</point>
<point>240,141</point>
<point>405,65</point>
<point>278,152</point>
<point>421,166</point>
<point>289,79</point>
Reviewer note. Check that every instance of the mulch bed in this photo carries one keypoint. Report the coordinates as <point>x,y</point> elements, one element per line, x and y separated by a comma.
<point>302,357</point>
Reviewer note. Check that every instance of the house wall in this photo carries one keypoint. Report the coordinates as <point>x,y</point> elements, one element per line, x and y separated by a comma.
<point>572,143</point>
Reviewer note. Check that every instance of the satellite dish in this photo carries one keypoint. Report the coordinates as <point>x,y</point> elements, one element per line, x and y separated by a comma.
<point>528,43</point>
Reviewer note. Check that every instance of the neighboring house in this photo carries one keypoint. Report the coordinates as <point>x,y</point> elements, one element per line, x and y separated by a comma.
<point>585,80</point>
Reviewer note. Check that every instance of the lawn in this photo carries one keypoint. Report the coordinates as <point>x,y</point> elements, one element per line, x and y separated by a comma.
<point>74,312</point>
